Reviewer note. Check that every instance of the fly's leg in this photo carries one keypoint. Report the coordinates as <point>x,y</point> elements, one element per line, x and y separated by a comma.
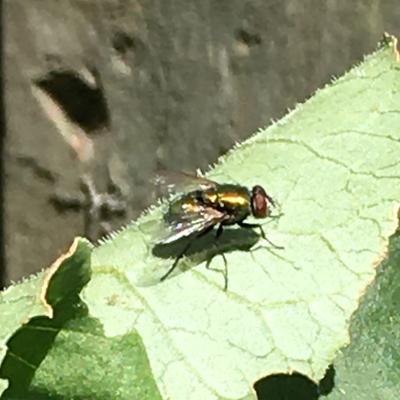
<point>218,234</point>
<point>276,216</point>
<point>225,272</point>
<point>219,231</point>
<point>251,226</point>
<point>183,252</point>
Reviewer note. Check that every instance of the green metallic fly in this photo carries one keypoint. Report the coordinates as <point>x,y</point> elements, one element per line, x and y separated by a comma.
<point>205,204</point>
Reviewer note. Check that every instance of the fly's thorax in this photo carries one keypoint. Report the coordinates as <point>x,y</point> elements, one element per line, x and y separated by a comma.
<point>233,199</point>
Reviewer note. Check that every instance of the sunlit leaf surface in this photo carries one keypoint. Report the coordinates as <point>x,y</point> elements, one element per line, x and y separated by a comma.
<point>333,165</point>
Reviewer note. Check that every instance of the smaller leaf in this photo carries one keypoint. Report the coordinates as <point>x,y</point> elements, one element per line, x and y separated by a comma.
<point>65,354</point>
<point>28,346</point>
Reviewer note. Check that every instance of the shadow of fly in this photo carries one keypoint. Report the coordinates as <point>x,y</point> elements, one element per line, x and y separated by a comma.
<point>204,205</point>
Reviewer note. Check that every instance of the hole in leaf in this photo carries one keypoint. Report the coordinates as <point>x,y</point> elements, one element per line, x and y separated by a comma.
<point>294,386</point>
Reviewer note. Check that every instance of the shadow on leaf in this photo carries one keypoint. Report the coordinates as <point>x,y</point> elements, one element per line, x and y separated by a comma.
<point>206,247</point>
<point>294,386</point>
<point>30,344</point>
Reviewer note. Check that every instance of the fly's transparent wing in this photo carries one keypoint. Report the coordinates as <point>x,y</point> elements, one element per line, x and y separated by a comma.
<point>168,183</point>
<point>195,221</point>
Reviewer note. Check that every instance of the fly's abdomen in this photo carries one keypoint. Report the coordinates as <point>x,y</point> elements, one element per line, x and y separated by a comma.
<point>185,205</point>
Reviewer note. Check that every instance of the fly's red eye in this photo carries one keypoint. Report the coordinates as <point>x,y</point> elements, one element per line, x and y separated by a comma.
<point>259,202</point>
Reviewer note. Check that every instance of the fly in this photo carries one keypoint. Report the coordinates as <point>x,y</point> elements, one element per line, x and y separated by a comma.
<point>209,204</point>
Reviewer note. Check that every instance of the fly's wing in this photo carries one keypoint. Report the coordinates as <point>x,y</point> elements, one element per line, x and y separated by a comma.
<point>195,221</point>
<point>179,182</point>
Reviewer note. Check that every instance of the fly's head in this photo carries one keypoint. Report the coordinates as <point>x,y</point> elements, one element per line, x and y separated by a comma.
<point>260,202</point>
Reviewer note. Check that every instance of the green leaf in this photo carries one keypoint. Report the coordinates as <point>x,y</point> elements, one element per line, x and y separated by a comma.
<point>333,166</point>
<point>62,352</point>
<point>29,345</point>
<point>370,367</point>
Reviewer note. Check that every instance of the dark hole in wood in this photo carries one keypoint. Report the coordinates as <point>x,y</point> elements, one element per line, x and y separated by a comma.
<point>122,42</point>
<point>249,38</point>
<point>83,103</point>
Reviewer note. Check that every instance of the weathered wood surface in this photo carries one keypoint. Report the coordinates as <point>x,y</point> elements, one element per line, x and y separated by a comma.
<point>182,82</point>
